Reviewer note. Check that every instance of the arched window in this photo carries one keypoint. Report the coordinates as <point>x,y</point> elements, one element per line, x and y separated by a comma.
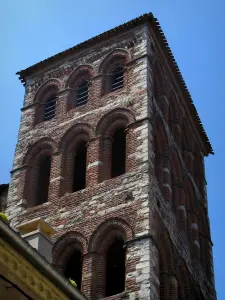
<point>49,108</point>
<point>73,268</point>
<point>45,101</point>
<point>115,268</point>
<point>79,84</point>
<point>168,282</point>
<point>43,180</point>
<point>79,171</point>
<point>82,93</point>
<point>118,158</point>
<point>117,78</point>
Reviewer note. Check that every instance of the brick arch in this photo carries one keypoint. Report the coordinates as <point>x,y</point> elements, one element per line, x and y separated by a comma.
<point>177,168</point>
<point>64,247</point>
<point>117,58</point>
<point>193,222</point>
<point>43,89</point>
<point>114,118</point>
<point>187,146</point>
<point>102,238</point>
<point>192,196</point>
<point>159,79</point>
<point>74,132</point>
<point>168,281</point>
<point>162,163</point>
<point>178,192</point>
<point>81,74</point>
<point>43,145</point>
<point>78,133</point>
<point>161,138</point>
<point>35,155</point>
<point>184,285</point>
<point>187,140</point>
<point>175,117</point>
<point>117,119</point>
<point>167,262</point>
<point>105,232</point>
<point>174,107</point>
<point>114,56</point>
<point>49,90</point>
<point>78,74</point>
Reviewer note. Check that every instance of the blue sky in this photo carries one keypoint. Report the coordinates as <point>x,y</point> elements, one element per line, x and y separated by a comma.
<point>31,31</point>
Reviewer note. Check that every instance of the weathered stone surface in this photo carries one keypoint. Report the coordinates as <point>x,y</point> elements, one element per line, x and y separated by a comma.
<point>146,203</point>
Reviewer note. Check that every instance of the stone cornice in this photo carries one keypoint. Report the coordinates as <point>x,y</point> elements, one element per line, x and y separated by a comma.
<point>18,270</point>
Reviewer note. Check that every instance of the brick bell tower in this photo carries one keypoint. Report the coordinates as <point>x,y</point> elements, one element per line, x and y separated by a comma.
<point>110,154</point>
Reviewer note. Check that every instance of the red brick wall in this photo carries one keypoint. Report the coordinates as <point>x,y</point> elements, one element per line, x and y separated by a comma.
<point>149,205</point>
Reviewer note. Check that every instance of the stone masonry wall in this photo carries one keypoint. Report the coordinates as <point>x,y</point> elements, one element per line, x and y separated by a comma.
<point>123,199</point>
<point>182,201</point>
<point>144,205</point>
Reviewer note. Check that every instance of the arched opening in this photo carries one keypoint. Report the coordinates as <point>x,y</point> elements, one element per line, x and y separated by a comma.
<point>49,108</point>
<point>162,162</point>
<point>118,159</point>
<point>117,78</point>
<point>115,268</point>
<point>79,171</point>
<point>82,93</point>
<point>184,288</point>
<point>43,180</point>
<point>73,268</point>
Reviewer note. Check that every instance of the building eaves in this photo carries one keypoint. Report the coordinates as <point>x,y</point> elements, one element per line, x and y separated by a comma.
<point>29,253</point>
<point>146,18</point>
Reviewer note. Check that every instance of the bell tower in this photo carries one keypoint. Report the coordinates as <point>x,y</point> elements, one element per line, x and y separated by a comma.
<point>110,154</point>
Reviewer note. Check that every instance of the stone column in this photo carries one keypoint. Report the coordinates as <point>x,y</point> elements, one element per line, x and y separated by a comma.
<point>96,87</point>
<point>142,269</point>
<point>130,163</point>
<point>16,201</point>
<point>88,284</point>
<point>62,103</point>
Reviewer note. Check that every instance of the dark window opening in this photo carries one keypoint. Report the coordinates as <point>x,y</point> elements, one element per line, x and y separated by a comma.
<point>115,269</point>
<point>49,108</point>
<point>82,93</point>
<point>79,173</point>
<point>118,162</point>
<point>74,268</point>
<point>117,78</point>
<point>43,181</point>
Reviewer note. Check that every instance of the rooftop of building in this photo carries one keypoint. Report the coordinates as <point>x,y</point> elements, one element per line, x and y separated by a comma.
<point>146,18</point>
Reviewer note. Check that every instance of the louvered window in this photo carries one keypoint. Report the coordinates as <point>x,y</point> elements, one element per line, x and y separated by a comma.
<point>49,108</point>
<point>82,93</point>
<point>117,78</point>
